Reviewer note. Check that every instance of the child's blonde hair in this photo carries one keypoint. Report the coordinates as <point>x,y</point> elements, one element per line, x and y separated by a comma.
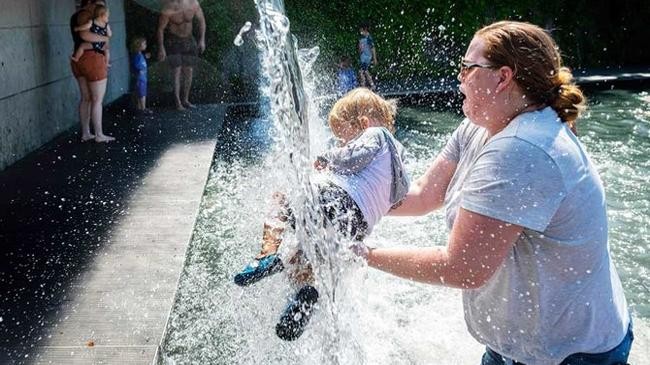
<point>362,102</point>
<point>136,43</point>
<point>100,10</point>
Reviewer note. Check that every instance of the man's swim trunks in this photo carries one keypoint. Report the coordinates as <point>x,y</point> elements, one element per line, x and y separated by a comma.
<point>181,51</point>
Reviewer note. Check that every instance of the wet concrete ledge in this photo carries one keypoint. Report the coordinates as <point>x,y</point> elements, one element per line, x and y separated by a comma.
<point>93,238</point>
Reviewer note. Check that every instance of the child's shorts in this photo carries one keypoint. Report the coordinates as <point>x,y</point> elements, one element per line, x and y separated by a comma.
<point>140,88</point>
<point>342,211</point>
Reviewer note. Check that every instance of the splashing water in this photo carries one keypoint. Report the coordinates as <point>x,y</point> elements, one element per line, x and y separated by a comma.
<point>289,109</point>
<point>364,316</point>
<point>244,29</point>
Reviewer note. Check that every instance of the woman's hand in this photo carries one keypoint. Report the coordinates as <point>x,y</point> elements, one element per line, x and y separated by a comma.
<point>360,249</point>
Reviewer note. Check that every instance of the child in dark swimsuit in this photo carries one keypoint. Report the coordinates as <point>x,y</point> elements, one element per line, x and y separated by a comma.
<point>98,25</point>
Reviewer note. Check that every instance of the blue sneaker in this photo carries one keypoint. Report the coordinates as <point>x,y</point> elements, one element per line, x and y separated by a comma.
<point>296,315</point>
<point>259,269</point>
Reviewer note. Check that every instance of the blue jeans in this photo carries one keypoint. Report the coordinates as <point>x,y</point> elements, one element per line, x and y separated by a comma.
<point>617,356</point>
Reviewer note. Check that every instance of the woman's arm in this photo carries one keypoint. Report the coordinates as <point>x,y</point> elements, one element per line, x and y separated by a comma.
<point>428,192</point>
<point>477,247</point>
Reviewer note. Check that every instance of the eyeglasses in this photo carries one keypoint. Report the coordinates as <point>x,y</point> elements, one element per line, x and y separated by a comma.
<point>466,66</point>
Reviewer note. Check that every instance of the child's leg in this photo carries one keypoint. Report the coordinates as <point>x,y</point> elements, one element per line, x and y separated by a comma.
<point>85,46</point>
<point>369,78</point>
<point>141,103</point>
<point>274,226</point>
<point>301,271</point>
<point>267,262</point>
<point>362,78</point>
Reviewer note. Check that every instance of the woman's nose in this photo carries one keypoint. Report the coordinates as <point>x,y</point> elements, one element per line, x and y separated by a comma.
<point>460,76</point>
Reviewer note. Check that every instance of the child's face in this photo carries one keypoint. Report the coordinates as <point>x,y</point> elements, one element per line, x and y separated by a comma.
<point>143,45</point>
<point>363,31</point>
<point>104,17</point>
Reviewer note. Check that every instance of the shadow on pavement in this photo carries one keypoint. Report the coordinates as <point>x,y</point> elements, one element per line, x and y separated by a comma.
<point>59,204</point>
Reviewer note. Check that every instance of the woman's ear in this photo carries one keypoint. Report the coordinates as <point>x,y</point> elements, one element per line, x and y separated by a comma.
<point>506,78</point>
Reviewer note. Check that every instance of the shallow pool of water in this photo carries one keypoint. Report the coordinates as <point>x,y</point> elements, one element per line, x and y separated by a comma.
<point>378,319</point>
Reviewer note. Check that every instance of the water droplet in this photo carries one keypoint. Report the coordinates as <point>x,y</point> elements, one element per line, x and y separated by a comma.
<point>238,39</point>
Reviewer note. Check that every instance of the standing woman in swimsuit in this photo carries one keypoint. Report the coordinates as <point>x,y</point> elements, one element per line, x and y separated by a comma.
<point>91,74</point>
<point>178,46</point>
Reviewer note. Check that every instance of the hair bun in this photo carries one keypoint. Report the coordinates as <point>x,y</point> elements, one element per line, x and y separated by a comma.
<point>567,99</point>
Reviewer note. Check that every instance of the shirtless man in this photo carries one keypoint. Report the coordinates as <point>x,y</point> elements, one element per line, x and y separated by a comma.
<point>178,45</point>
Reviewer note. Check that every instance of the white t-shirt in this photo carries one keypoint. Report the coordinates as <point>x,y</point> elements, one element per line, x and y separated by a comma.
<point>557,292</point>
<point>370,187</point>
<point>371,170</point>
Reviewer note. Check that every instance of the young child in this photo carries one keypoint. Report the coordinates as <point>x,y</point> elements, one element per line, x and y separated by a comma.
<point>358,183</point>
<point>346,77</point>
<point>98,25</point>
<point>367,54</point>
<point>139,73</point>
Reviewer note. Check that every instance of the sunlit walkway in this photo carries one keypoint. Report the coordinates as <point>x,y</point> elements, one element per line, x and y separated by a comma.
<point>93,238</point>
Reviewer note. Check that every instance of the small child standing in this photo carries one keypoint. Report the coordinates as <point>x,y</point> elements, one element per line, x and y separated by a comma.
<point>357,184</point>
<point>367,54</point>
<point>98,25</point>
<point>346,77</point>
<point>139,73</point>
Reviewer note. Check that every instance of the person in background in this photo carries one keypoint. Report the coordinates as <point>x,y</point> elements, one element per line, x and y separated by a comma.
<point>98,25</point>
<point>91,73</point>
<point>178,45</point>
<point>526,210</point>
<point>346,76</point>
<point>367,55</point>
<point>139,73</point>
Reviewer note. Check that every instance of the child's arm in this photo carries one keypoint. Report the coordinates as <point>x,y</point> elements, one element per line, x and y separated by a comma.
<point>83,19</point>
<point>109,32</point>
<point>84,26</point>
<point>355,155</point>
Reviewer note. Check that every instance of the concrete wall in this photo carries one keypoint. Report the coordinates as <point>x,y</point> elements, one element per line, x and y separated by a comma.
<point>38,94</point>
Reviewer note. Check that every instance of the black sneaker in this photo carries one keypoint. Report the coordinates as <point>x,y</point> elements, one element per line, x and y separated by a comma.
<point>259,269</point>
<point>296,315</point>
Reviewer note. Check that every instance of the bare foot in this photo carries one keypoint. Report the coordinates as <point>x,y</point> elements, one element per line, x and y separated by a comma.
<point>88,137</point>
<point>75,59</point>
<point>189,105</point>
<point>104,138</point>
<point>180,107</point>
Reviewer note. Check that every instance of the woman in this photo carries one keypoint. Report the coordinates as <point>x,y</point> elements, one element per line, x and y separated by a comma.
<point>91,73</point>
<point>526,210</point>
